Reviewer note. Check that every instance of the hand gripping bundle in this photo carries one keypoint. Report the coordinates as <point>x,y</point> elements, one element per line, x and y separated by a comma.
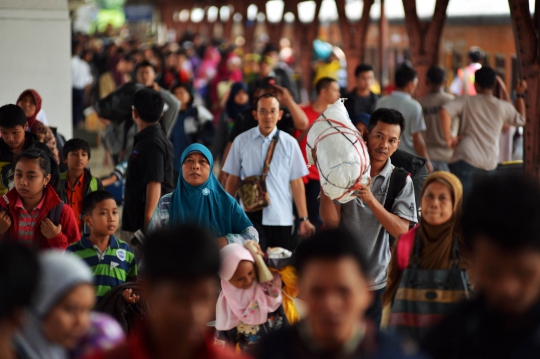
<point>335,146</point>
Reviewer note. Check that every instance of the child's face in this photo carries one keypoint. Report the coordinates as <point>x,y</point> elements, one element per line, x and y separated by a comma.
<point>244,276</point>
<point>30,178</point>
<point>14,136</point>
<point>104,218</point>
<point>241,98</point>
<point>77,160</point>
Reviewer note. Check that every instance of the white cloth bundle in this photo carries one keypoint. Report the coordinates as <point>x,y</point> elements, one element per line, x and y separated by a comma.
<point>341,156</point>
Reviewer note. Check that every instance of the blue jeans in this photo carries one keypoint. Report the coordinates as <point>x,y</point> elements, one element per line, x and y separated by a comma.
<point>468,175</point>
<point>440,166</point>
<point>374,312</point>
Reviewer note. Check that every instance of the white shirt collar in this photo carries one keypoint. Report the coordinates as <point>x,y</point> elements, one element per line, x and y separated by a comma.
<point>401,93</point>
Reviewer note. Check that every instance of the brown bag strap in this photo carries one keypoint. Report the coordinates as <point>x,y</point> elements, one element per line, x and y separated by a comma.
<point>269,156</point>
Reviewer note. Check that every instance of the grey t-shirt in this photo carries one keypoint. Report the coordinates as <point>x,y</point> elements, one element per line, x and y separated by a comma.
<point>434,135</point>
<point>412,113</point>
<point>373,239</point>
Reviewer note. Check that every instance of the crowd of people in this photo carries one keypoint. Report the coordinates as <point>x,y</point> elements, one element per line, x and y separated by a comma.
<point>227,246</point>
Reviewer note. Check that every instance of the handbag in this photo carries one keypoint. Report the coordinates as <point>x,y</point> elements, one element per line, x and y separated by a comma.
<point>426,296</point>
<point>252,190</point>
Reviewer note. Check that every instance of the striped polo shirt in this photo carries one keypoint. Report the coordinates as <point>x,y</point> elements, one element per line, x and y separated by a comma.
<point>27,222</point>
<point>111,268</point>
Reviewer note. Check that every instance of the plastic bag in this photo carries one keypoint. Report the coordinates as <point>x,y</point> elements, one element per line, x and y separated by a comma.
<point>336,147</point>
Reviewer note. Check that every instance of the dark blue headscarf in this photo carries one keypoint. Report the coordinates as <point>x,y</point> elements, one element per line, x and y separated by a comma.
<point>207,205</point>
<point>232,108</point>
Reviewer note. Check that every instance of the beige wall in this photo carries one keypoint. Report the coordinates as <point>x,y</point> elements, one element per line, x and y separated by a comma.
<point>35,50</point>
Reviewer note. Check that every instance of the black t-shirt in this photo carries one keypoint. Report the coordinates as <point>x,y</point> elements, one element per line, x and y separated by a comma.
<point>150,161</point>
<point>245,121</point>
<point>356,105</point>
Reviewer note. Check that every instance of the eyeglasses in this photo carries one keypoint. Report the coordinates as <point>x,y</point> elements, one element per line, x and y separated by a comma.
<point>265,112</point>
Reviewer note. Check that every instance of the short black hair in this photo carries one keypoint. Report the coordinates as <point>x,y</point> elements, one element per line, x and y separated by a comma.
<point>92,199</point>
<point>75,144</point>
<point>185,85</point>
<point>183,253</point>
<point>144,63</point>
<point>12,116</point>
<point>504,209</point>
<point>476,54</point>
<point>485,77</point>
<point>323,84</point>
<point>19,273</point>
<point>148,104</point>
<point>436,75</point>
<point>270,47</point>
<point>332,244</point>
<point>387,115</point>
<point>404,75</point>
<point>265,95</point>
<point>362,68</point>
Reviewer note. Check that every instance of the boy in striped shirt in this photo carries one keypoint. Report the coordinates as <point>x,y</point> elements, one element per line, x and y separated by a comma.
<point>110,259</point>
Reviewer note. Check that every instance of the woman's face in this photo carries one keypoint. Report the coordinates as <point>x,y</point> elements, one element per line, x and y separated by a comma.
<point>437,204</point>
<point>183,96</point>
<point>30,178</point>
<point>244,276</point>
<point>28,105</point>
<point>196,169</point>
<point>69,321</point>
<point>241,98</point>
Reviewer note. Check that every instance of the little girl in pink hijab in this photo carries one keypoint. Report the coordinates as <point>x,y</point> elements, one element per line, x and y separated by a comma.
<point>246,309</point>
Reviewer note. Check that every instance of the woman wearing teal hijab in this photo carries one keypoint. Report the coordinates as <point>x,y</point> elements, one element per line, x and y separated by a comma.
<point>199,199</point>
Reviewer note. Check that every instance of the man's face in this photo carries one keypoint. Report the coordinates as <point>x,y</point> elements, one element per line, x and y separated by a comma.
<point>337,296</point>
<point>332,93</point>
<point>509,281</point>
<point>146,75</point>
<point>268,114</point>
<point>383,141</point>
<point>14,136</point>
<point>364,80</point>
<point>180,310</point>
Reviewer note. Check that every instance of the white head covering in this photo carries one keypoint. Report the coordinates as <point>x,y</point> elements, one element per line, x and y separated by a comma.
<point>60,272</point>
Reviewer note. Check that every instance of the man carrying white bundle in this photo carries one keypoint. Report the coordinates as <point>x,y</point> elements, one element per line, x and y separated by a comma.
<point>380,210</point>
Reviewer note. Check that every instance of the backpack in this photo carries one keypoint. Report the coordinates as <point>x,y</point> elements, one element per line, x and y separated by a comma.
<point>416,166</point>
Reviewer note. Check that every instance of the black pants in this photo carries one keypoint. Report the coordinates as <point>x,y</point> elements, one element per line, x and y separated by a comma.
<point>374,312</point>
<point>77,100</point>
<point>313,189</point>
<point>271,236</point>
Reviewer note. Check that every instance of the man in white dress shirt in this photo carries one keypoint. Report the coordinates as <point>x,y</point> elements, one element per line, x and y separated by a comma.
<point>81,78</point>
<point>284,182</point>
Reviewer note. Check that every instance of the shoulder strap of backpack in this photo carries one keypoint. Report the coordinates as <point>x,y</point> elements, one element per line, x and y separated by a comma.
<point>404,248</point>
<point>55,213</point>
<point>93,184</point>
<point>397,182</point>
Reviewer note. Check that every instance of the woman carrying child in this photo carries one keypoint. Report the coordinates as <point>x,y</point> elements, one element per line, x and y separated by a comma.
<point>246,309</point>
<point>32,213</point>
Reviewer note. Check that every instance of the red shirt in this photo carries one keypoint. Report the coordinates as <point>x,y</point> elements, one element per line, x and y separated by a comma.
<point>312,117</point>
<point>136,347</point>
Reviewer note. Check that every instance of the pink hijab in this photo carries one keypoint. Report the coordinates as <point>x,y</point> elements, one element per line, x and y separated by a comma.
<point>249,306</point>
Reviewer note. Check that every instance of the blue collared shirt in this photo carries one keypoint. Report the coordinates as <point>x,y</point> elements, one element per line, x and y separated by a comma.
<point>246,159</point>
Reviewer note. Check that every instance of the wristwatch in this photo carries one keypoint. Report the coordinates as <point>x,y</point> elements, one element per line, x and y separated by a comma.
<point>521,95</point>
<point>303,219</point>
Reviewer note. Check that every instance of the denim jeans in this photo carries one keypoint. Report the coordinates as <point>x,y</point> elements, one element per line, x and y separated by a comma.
<point>468,175</point>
